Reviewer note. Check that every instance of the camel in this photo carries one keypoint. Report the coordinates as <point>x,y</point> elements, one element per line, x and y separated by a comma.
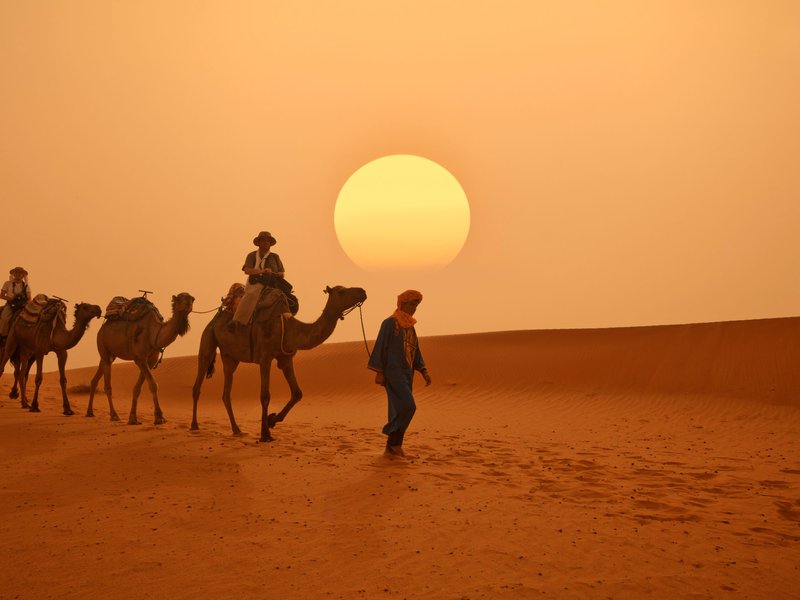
<point>141,341</point>
<point>28,341</point>
<point>278,338</point>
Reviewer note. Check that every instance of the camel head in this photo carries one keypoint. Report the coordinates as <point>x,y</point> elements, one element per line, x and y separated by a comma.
<point>86,312</point>
<point>182,303</point>
<point>342,299</point>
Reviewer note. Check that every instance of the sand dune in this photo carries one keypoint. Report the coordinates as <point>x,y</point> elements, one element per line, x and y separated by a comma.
<point>654,461</point>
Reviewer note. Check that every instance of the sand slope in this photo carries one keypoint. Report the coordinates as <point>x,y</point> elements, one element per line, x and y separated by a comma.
<point>626,463</point>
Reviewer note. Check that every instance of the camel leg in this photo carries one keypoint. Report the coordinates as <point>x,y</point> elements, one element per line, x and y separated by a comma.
<point>112,412</point>
<point>62,379</point>
<point>137,389</point>
<point>24,369</point>
<point>5,356</point>
<point>153,385</point>
<point>14,393</point>
<point>203,363</point>
<point>38,382</point>
<point>286,364</point>
<point>103,370</point>
<point>92,388</point>
<point>266,436</point>
<point>6,353</point>
<point>229,366</point>
<point>198,383</point>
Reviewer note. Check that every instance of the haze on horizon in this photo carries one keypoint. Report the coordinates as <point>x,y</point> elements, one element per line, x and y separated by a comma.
<point>626,164</point>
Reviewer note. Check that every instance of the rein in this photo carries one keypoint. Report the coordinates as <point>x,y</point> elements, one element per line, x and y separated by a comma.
<point>361,315</point>
<point>203,312</point>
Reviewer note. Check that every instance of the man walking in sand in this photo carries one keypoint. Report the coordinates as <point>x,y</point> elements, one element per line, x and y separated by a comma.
<point>394,359</point>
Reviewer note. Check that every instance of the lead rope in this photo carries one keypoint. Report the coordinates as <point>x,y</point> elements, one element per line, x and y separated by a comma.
<point>361,314</point>
<point>203,312</point>
<point>363,333</point>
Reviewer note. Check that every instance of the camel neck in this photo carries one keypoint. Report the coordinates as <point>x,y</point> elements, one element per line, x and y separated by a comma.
<point>63,338</point>
<point>177,325</point>
<point>304,336</point>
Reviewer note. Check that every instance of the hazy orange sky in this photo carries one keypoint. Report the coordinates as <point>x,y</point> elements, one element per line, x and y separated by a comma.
<point>626,163</point>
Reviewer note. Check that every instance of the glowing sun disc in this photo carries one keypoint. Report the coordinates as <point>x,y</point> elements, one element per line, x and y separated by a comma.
<point>401,212</point>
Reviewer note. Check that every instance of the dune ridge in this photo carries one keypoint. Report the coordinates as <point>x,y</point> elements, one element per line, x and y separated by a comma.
<point>753,359</point>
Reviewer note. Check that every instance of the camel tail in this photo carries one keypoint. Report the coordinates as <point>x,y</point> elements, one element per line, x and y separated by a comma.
<point>208,351</point>
<point>210,370</point>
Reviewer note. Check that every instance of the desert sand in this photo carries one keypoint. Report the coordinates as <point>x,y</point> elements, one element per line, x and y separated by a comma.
<point>658,462</point>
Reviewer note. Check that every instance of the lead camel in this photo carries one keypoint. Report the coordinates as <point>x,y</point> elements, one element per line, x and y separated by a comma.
<point>276,339</point>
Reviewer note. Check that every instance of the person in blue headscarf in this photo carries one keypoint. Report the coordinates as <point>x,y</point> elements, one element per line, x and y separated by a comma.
<point>394,359</point>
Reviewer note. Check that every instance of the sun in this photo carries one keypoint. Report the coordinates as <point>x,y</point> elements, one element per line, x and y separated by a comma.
<point>402,212</point>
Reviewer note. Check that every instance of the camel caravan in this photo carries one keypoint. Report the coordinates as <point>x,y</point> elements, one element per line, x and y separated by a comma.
<point>134,330</point>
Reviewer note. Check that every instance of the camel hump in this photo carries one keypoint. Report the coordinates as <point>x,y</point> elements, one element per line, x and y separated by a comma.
<point>124,309</point>
<point>42,308</point>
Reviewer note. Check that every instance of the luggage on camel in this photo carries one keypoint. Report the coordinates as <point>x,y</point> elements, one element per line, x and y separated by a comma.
<point>124,309</point>
<point>279,283</point>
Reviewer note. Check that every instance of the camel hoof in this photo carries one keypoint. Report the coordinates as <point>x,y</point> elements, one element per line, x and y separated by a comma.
<point>237,433</point>
<point>13,394</point>
<point>272,420</point>
<point>194,427</point>
<point>115,417</point>
<point>68,412</point>
<point>134,422</point>
<point>34,409</point>
<point>266,439</point>
<point>89,414</point>
<point>159,421</point>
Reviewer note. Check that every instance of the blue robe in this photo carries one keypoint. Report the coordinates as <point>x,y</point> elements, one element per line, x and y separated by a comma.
<point>396,354</point>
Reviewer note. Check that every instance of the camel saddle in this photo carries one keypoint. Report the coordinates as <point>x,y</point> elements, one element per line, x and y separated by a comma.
<point>271,305</point>
<point>124,309</point>
<point>42,309</point>
<point>231,301</point>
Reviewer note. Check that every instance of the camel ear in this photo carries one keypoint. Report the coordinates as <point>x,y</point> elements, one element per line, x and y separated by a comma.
<point>328,289</point>
<point>174,298</point>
